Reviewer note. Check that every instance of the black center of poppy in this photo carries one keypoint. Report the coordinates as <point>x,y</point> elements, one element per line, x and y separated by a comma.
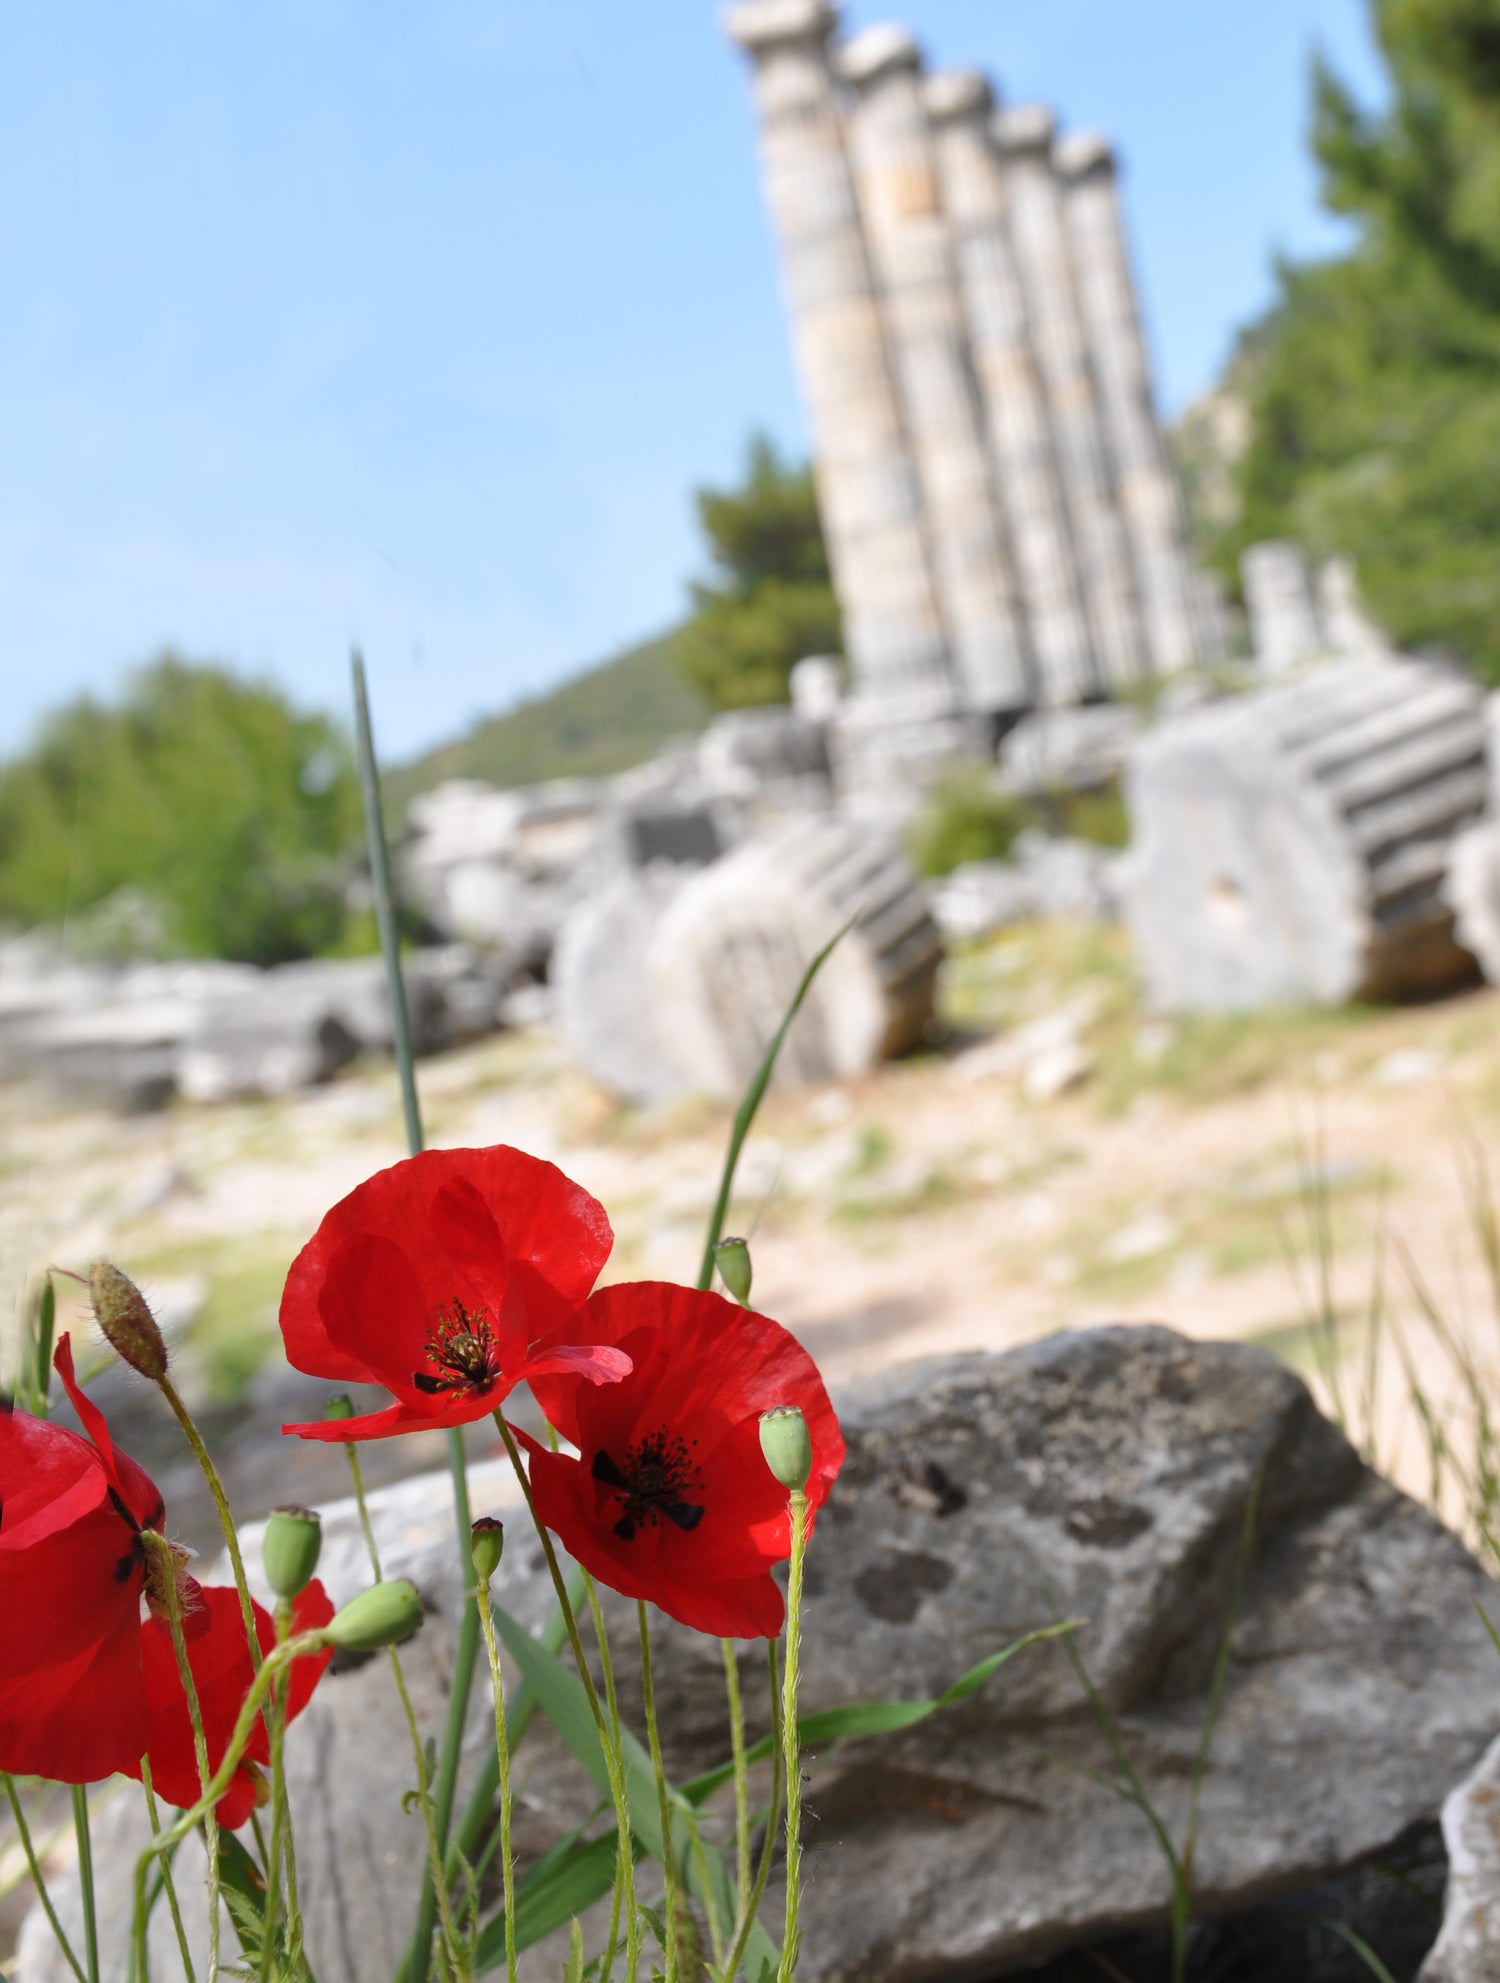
<point>462,1351</point>
<point>655,1479</point>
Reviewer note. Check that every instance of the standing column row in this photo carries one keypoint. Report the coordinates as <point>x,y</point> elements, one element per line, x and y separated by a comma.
<point>1018,421</point>
<point>911,248</point>
<point>1039,237</point>
<point>1144,482</point>
<point>868,492</point>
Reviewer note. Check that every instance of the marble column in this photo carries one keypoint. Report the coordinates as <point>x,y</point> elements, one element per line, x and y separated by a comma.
<point>960,103</point>
<point>868,490</point>
<point>1039,236</point>
<point>896,176</point>
<point>1146,485</point>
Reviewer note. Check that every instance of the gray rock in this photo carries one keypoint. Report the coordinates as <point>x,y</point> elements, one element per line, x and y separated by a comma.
<point>1103,1476</point>
<point>1282,604</point>
<point>1467,1949</point>
<point>980,897</point>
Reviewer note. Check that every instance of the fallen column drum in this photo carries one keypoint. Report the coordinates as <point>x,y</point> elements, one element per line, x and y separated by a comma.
<point>1292,844</point>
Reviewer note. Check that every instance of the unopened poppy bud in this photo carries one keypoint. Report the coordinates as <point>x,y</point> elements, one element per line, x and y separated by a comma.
<point>383,1615</point>
<point>785,1441</point>
<point>290,1549</point>
<point>486,1544</point>
<point>340,1405</point>
<point>126,1322</point>
<point>732,1257</point>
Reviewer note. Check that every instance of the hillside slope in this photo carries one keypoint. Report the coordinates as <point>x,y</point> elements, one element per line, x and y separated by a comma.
<point>606,719</point>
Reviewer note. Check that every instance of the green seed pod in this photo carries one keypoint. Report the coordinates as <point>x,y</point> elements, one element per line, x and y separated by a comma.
<point>125,1321</point>
<point>383,1615</point>
<point>340,1405</point>
<point>486,1544</point>
<point>732,1257</point>
<point>787,1445</point>
<point>289,1550</point>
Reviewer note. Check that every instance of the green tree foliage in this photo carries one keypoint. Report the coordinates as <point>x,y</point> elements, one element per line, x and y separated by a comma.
<point>209,795</point>
<point>1375,382</point>
<point>771,599</point>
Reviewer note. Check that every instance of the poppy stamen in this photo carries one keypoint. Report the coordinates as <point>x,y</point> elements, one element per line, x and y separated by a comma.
<point>653,1482</point>
<point>463,1352</point>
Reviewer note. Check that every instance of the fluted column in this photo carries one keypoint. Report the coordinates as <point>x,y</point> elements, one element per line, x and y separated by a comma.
<point>1039,235</point>
<point>1147,487</point>
<point>959,103</point>
<point>867,484</point>
<point>896,174</point>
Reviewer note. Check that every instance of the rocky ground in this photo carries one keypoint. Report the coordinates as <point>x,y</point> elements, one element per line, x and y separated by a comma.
<point>1057,1157</point>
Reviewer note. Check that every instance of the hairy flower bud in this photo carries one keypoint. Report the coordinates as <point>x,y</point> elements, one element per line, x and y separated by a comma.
<point>732,1258</point>
<point>289,1550</point>
<point>486,1544</point>
<point>126,1322</point>
<point>383,1615</point>
<point>787,1445</point>
<point>340,1405</point>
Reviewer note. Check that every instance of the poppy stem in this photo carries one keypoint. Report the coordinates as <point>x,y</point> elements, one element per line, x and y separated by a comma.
<point>741,1773</point>
<point>210,1473</point>
<point>283,1847</point>
<point>502,1756</point>
<point>663,1799</point>
<point>750,1904</point>
<point>33,1866</point>
<point>620,1892</point>
<point>790,1743</point>
<point>614,1770</point>
<point>166,1841</point>
<point>167,1880</point>
<point>86,1881</point>
<point>163,1551</point>
<point>398,1673</point>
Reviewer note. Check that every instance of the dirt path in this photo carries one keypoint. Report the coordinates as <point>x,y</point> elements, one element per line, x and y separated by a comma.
<point>942,1204</point>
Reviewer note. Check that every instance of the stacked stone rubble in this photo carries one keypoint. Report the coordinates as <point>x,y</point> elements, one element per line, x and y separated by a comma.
<point>1003,521</point>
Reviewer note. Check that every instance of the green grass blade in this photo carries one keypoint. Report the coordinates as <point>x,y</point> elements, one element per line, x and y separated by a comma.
<point>46,1323</point>
<point>1362,1949</point>
<point>560,1694</point>
<point>750,1102</point>
<point>877,1717</point>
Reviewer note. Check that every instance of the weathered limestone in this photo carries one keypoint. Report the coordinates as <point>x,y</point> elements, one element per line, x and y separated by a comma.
<point>1040,237</point>
<point>606,1017</point>
<point>1346,627</point>
<point>960,104</point>
<point>1293,844</point>
<point>911,249</point>
<point>1467,1949</point>
<point>1145,485</point>
<point>867,483</point>
<point>726,958</point>
<point>1282,605</point>
<point>1102,1475</point>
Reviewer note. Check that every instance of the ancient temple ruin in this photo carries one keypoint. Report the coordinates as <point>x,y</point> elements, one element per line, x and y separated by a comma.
<point>1002,518</point>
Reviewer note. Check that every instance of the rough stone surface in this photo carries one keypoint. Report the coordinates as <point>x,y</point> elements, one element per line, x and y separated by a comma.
<point>1283,606</point>
<point>1468,1948</point>
<point>1293,844</point>
<point>1104,1476</point>
<point>1068,749</point>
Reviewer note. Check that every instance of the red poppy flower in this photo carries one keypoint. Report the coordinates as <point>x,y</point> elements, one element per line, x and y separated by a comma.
<point>438,1278</point>
<point>670,1498</point>
<point>219,1656</point>
<point>72,1573</point>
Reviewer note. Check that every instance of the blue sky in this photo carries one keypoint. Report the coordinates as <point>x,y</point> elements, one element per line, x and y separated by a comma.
<point>328,320</point>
